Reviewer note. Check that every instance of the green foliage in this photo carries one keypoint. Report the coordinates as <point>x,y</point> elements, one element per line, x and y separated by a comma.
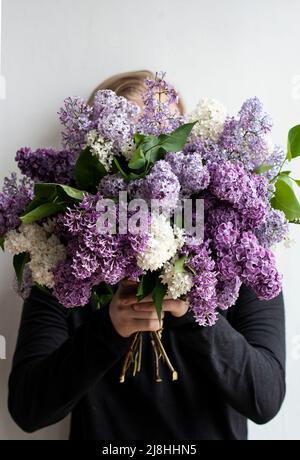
<point>293,147</point>
<point>158,295</point>
<point>102,294</point>
<point>179,265</point>
<point>88,171</point>
<point>146,285</point>
<point>19,262</point>
<point>285,198</point>
<point>50,199</point>
<point>150,149</point>
<point>150,283</point>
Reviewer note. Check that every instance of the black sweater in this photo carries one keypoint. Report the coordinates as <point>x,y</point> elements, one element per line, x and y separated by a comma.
<point>70,361</point>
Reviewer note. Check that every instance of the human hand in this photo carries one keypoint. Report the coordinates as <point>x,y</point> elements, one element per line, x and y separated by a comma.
<point>127,314</point>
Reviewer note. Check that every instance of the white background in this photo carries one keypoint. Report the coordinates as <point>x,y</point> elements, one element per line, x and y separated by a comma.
<point>229,50</point>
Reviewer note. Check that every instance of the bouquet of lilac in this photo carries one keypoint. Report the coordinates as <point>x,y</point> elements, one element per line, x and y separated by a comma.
<point>188,207</point>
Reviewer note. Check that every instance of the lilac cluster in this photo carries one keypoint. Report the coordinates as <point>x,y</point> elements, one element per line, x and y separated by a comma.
<point>160,184</point>
<point>276,160</point>
<point>188,167</point>
<point>111,184</point>
<point>202,296</point>
<point>115,118</point>
<point>93,256</point>
<point>14,198</point>
<point>160,114</point>
<point>258,267</point>
<point>240,256</point>
<point>245,138</point>
<point>47,165</point>
<point>210,151</point>
<point>273,229</point>
<point>76,118</point>
<point>227,292</point>
<point>246,192</point>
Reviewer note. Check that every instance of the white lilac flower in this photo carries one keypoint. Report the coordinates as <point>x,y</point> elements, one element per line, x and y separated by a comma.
<point>45,253</point>
<point>178,283</point>
<point>211,116</point>
<point>101,148</point>
<point>163,243</point>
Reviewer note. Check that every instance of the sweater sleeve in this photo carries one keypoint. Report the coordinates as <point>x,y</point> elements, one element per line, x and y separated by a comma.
<point>52,369</point>
<point>244,355</point>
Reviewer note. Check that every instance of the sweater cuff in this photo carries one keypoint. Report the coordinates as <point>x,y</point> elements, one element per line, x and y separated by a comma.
<point>103,329</point>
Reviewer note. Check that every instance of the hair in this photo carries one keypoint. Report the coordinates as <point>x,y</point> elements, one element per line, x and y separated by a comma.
<point>129,85</point>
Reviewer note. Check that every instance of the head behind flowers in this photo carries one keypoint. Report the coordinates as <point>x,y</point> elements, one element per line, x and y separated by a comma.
<point>131,85</point>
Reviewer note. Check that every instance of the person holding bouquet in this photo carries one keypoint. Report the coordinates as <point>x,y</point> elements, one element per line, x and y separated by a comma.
<point>70,361</point>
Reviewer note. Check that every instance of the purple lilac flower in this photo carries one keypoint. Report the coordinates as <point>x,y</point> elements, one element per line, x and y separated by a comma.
<point>245,138</point>
<point>160,184</point>
<point>230,182</point>
<point>94,257</point>
<point>202,296</point>
<point>70,291</point>
<point>273,229</point>
<point>47,165</point>
<point>76,118</point>
<point>111,184</point>
<point>228,292</point>
<point>276,160</point>
<point>188,167</point>
<point>115,118</point>
<point>14,198</point>
<point>258,267</point>
<point>252,117</point>
<point>158,115</point>
<point>210,151</point>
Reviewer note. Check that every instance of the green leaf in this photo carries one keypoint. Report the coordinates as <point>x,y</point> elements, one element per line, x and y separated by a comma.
<point>119,168</point>
<point>175,141</point>
<point>263,168</point>
<point>150,142</point>
<point>285,198</point>
<point>88,171</point>
<point>293,148</point>
<point>297,182</point>
<point>2,239</point>
<point>50,199</point>
<point>179,265</point>
<point>285,173</point>
<point>138,138</point>
<point>158,295</point>
<point>156,153</point>
<point>71,192</point>
<point>42,288</point>
<point>36,202</point>
<point>138,159</point>
<point>42,211</point>
<point>146,285</point>
<point>49,192</point>
<point>102,294</point>
<point>19,262</point>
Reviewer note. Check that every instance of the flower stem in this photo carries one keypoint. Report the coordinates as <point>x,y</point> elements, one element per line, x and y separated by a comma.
<point>165,356</point>
<point>129,356</point>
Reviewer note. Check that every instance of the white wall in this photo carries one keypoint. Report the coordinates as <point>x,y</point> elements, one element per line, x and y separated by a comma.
<point>226,49</point>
